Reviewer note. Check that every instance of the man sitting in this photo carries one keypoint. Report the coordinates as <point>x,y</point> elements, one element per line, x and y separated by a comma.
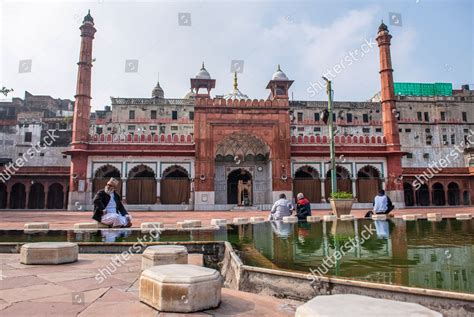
<point>303,207</point>
<point>382,205</point>
<point>108,207</point>
<point>281,208</point>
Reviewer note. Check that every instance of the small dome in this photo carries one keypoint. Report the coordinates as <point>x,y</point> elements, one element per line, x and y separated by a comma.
<point>236,93</point>
<point>203,73</point>
<point>279,75</point>
<point>158,92</point>
<point>190,95</point>
<point>383,27</point>
<point>88,18</point>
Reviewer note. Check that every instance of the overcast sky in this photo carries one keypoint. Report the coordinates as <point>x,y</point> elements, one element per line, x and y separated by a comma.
<point>432,42</point>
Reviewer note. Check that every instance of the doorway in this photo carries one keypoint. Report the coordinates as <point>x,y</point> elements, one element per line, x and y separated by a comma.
<point>239,188</point>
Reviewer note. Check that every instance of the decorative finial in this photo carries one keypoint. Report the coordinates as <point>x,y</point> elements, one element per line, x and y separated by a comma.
<point>235,81</point>
<point>88,17</point>
<point>383,27</point>
<point>279,69</point>
<point>202,67</point>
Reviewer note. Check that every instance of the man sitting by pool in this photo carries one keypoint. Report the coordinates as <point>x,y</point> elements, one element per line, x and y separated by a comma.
<point>108,211</point>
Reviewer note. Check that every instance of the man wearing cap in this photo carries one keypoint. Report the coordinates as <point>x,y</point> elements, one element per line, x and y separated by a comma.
<point>108,211</point>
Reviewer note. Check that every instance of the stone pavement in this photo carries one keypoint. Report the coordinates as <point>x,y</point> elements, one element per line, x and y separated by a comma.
<point>72,290</point>
<point>66,219</point>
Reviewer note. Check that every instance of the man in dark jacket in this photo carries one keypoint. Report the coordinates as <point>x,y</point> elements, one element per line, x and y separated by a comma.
<point>303,207</point>
<point>108,211</point>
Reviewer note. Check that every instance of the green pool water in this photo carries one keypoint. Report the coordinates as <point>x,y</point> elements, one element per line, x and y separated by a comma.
<point>436,255</point>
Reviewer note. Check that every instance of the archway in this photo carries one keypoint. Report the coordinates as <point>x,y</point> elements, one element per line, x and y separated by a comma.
<point>239,187</point>
<point>55,196</point>
<point>343,178</point>
<point>307,181</point>
<point>368,184</point>
<point>423,196</point>
<point>465,198</point>
<point>36,197</point>
<point>453,194</point>
<point>3,196</point>
<point>102,176</point>
<point>438,197</point>
<point>408,193</point>
<point>141,186</point>
<point>18,196</point>
<point>175,186</point>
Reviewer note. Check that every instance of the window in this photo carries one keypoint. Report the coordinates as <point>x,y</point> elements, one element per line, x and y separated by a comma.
<point>427,116</point>
<point>153,127</point>
<point>428,139</point>
<point>443,116</point>
<point>466,130</point>
<point>464,116</point>
<point>300,129</point>
<point>41,154</point>
<point>407,130</point>
<point>153,114</point>
<point>174,115</point>
<point>20,154</point>
<point>131,114</point>
<point>349,117</point>
<point>317,129</point>
<point>418,115</point>
<point>378,130</point>
<point>426,155</point>
<point>28,136</point>
<point>409,155</point>
<point>98,130</point>
<point>365,130</point>
<point>300,116</point>
<point>428,130</point>
<point>162,129</point>
<point>445,139</point>
<point>365,117</point>
<point>174,128</point>
<point>191,115</point>
<point>453,138</point>
<point>317,116</point>
<point>131,128</point>
<point>400,130</point>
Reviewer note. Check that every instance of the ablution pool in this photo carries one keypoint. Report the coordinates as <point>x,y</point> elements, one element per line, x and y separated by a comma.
<point>424,254</point>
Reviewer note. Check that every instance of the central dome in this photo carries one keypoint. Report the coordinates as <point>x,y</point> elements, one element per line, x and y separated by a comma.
<point>279,74</point>
<point>203,73</point>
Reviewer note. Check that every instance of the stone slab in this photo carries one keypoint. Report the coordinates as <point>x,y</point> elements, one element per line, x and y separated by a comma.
<point>257,219</point>
<point>409,217</point>
<point>360,306</point>
<point>194,223</point>
<point>219,222</point>
<point>86,225</point>
<point>241,221</point>
<point>180,288</point>
<point>49,253</point>
<point>347,217</point>
<point>151,225</point>
<point>329,218</point>
<point>36,225</point>
<point>434,216</point>
<point>164,254</point>
<point>463,216</point>
<point>313,219</point>
<point>379,217</point>
<point>290,219</point>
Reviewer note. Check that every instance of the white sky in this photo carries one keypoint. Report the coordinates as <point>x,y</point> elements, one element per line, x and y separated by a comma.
<point>306,38</point>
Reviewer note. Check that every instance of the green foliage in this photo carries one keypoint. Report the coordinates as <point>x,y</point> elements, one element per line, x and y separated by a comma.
<point>341,195</point>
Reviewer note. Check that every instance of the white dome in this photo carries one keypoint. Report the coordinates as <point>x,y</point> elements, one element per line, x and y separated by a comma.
<point>203,73</point>
<point>279,75</point>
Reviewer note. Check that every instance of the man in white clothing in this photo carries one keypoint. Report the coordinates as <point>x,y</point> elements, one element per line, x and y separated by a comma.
<point>108,207</point>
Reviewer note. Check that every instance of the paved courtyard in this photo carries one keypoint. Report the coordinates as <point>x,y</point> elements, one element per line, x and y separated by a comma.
<point>71,290</point>
<point>66,219</point>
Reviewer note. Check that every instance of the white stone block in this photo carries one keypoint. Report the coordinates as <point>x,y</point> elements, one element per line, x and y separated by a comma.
<point>329,218</point>
<point>241,221</point>
<point>409,217</point>
<point>36,225</point>
<point>358,305</point>
<point>219,222</point>
<point>379,217</point>
<point>164,254</point>
<point>180,288</point>
<point>151,225</point>
<point>347,217</point>
<point>49,253</point>
<point>313,219</point>
<point>257,219</point>
<point>463,216</point>
<point>290,219</point>
<point>434,216</point>
<point>194,223</point>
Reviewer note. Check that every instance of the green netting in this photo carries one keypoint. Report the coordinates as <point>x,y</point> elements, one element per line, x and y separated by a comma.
<point>420,89</point>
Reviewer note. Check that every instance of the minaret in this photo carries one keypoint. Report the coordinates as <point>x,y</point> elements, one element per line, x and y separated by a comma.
<point>82,109</point>
<point>203,81</point>
<point>279,85</point>
<point>393,186</point>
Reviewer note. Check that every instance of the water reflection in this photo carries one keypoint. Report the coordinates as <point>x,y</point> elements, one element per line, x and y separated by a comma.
<point>115,235</point>
<point>422,254</point>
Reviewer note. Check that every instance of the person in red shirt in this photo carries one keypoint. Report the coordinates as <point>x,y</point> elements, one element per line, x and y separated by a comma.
<point>303,207</point>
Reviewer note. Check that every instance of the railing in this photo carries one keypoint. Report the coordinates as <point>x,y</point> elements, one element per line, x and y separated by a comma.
<point>347,140</point>
<point>142,138</point>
